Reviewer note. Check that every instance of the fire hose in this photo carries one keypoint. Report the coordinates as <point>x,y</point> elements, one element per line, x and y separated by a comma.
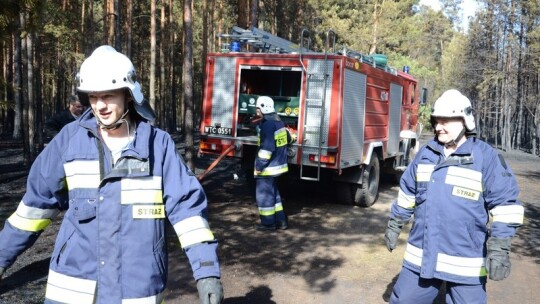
<point>215,162</point>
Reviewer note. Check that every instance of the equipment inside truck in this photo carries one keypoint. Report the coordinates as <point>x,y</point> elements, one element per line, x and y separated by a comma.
<point>282,84</point>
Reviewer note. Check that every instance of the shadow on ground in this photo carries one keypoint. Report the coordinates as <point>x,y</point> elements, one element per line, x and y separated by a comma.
<point>528,243</point>
<point>304,250</point>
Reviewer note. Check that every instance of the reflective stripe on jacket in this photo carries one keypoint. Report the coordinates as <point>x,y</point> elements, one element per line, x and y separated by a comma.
<point>271,159</point>
<point>112,245</point>
<point>451,200</point>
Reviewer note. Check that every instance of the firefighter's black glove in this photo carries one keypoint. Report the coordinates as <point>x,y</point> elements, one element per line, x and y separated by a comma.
<point>498,258</point>
<point>210,290</point>
<point>392,233</point>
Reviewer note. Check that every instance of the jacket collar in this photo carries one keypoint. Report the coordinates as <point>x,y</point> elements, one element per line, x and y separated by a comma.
<point>138,148</point>
<point>465,149</point>
<point>271,116</point>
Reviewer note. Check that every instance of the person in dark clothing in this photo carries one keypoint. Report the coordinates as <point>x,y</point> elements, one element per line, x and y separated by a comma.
<point>54,124</point>
<point>270,162</point>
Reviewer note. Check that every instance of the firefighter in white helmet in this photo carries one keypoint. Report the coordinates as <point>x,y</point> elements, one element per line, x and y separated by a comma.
<point>118,179</point>
<point>452,187</point>
<point>453,104</point>
<point>270,162</point>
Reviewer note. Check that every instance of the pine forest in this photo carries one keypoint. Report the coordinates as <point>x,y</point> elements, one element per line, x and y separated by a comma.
<point>493,57</point>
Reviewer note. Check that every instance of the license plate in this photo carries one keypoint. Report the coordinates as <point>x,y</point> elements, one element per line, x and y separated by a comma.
<point>218,130</point>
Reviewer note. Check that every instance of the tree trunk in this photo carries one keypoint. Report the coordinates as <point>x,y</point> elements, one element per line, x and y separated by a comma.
<point>507,89</point>
<point>128,27</point>
<point>162,118</point>
<point>117,29</point>
<point>187,83</point>
<point>31,98</point>
<point>242,8</point>
<point>39,95</point>
<point>281,23</point>
<point>110,20</point>
<point>152,76</point>
<point>535,130</point>
<point>17,85</point>
<point>26,126</point>
<point>220,22</point>
<point>206,24</point>
<point>520,76</point>
<point>254,12</point>
<point>172,71</point>
<point>91,30</point>
<point>507,114</point>
<point>211,26</point>
<point>377,11</point>
<point>83,20</point>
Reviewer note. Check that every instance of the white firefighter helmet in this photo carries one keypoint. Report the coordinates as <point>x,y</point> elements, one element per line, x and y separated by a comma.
<point>454,104</point>
<point>107,70</point>
<point>266,104</point>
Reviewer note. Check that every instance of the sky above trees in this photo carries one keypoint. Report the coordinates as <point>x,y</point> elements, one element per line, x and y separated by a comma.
<point>468,9</point>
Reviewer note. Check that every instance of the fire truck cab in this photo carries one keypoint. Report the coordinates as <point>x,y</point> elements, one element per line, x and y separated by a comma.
<point>353,116</point>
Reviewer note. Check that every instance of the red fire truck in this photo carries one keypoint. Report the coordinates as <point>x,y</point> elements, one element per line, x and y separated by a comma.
<point>352,114</point>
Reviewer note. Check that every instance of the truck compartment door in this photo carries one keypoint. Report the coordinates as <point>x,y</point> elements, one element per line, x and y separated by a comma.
<point>354,111</point>
<point>394,119</point>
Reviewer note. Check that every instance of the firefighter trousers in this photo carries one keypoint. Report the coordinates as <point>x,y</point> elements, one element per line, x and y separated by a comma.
<point>411,288</point>
<point>269,201</point>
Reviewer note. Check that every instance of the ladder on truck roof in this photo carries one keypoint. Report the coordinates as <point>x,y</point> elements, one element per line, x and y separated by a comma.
<point>315,114</point>
<point>264,41</point>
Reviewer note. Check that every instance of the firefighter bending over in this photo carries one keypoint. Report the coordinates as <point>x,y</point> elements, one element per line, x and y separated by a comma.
<point>270,163</point>
<point>452,187</point>
<point>118,179</point>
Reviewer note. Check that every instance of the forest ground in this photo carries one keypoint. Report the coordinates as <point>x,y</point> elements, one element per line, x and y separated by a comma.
<point>331,253</point>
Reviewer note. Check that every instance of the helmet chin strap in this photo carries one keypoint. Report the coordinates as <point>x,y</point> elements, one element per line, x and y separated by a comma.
<point>455,141</point>
<point>115,125</point>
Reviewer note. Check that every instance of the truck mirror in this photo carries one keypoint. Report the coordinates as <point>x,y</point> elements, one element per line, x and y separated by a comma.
<point>423,97</point>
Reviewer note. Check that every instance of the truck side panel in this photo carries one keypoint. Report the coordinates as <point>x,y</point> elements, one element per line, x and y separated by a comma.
<point>394,119</point>
<point>354,108</point>
<point>223,98</point>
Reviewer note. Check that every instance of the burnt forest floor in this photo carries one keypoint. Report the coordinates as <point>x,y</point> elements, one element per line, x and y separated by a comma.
<point>331,253</point>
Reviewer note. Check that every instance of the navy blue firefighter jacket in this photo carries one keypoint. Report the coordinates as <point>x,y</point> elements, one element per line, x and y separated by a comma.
<point>112,243</point>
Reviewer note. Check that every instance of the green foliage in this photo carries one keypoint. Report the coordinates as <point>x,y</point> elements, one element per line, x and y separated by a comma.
<point>454,62</point>
<point>61,31</point>
<point>364,26</point>
<point>6,105</point>
<point>534,46</point>
<point>417,67</point>
<point>8,17</point>
<point>424,116</point>
<point>499,53</point>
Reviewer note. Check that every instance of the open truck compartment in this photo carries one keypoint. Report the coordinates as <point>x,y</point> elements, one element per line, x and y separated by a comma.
<point>282,84</point>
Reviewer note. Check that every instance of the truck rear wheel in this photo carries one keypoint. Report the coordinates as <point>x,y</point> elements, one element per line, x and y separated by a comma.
<point>367,193</point>
<point>363,195</point>
<point>345,192</point>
